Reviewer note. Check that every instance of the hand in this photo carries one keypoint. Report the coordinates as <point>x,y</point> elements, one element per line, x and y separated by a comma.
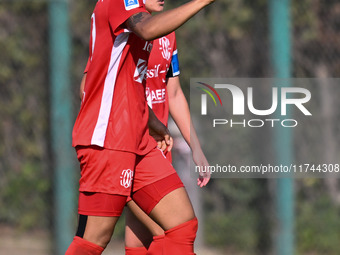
<point>201,161</point>
<point>159,132</point>
<point>163,138</point>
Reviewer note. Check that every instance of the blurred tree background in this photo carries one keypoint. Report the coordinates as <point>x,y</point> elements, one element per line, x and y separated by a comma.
<point>228,39</point>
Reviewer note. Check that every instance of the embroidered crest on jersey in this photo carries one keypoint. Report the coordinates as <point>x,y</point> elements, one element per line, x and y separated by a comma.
<point>126,178</point>
<point>141,70</point>
<point>131,4</point>
<point>164,44</point>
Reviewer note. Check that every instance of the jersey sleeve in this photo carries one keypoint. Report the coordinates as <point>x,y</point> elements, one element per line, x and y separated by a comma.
<point>120,10</point>
<point>174,65</point>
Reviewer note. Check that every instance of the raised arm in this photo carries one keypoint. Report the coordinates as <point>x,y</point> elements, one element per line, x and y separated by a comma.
<point>151,27</point>
<point>179,110</point>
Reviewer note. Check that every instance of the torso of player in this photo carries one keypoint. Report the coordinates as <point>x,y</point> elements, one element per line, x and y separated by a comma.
<point>160,64</point>
<point>114,111</point>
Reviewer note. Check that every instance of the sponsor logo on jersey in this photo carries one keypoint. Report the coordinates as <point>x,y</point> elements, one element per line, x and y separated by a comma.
<point>153,72</point>
<point>126,178</point>
<point>141,70</point>
<point>155,96</point>
<point>164,46</point>
<point>131,4</point>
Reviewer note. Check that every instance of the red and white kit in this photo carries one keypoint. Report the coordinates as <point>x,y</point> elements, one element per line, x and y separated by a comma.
<point>114,113</point>
<point>163,64</point>
<point>116,153</point>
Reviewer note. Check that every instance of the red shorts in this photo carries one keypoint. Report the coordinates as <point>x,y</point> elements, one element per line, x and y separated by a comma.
<point>168,155</point>
<point>149,196</point>
<point>117,173</point>
<point>105,171</point>
<point>101,204</point>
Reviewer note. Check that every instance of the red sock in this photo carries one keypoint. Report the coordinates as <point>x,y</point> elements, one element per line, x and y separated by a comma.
<point>135,250</point>
<point>80,246</point>
<point>157,245</point>
<point>180,240</point>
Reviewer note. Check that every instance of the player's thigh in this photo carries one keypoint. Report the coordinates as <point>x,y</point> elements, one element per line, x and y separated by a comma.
<point>140,228</point>
<point>100,212</point>
<point>158,189</point>
<point>138,215</point>
<point>154,178</point>
<point>99,229</point>
<point>105,183</point>
<point>173,209</point>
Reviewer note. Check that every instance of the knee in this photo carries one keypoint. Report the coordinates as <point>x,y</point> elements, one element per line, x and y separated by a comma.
<point>99,229</point>
<point>185,231</point>
<point>101,236</point>
<point>180,239</point>
<point>101,239</point>
<point>105,239</point>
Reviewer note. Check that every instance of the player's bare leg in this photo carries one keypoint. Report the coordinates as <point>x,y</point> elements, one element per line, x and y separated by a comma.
<point>99,229</point>
<point>167,203</point>
<point>175,214</point>
<point>140,228</point>
<point>173,209</point>
<point>93,235</point>
<point>141,232</point>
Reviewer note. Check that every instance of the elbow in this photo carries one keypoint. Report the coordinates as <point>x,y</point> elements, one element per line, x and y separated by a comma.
<point>147,37</point>
<point>148,31</point>
<point>147,34</point>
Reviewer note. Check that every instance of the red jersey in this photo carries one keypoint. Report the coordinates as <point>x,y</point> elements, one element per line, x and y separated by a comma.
<point>114,111</point>
<point>163,63</point>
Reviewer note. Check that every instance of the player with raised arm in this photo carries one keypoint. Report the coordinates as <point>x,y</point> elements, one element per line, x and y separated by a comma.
<point>116,153</point>
<point>163,91</point>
